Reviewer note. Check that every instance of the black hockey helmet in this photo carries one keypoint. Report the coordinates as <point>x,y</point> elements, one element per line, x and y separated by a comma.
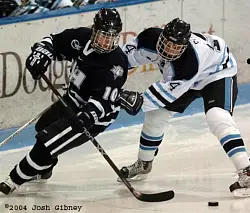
<point>173,40</point>
<point>107,28</point>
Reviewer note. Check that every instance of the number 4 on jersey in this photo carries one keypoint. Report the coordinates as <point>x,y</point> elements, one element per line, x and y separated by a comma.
<point>174,85</point>
<point>129,48</point>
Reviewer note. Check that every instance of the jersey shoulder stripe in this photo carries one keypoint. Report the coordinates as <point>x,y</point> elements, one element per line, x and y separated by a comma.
<point>187,66</point>
<point>148,38</point>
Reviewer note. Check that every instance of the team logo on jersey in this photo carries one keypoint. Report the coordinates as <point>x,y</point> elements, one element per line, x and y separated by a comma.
<point>117,71</point>
<point>75,44</point>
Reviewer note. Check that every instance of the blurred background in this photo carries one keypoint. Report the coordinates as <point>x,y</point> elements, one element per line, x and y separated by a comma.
<point>23,7</point>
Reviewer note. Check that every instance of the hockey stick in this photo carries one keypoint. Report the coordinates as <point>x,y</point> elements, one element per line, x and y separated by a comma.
<point>23,127</point>
<point>156,197</point>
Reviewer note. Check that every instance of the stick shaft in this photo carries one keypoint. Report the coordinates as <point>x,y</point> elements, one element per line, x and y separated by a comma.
<point>23,127</point>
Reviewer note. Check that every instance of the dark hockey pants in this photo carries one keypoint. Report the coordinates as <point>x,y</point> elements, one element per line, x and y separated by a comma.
<point>55,136</point>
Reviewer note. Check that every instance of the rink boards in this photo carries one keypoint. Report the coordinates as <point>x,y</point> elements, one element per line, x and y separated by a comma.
<point>22,99</point>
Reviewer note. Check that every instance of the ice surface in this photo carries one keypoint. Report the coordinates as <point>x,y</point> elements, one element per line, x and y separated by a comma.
<point>190,161</point>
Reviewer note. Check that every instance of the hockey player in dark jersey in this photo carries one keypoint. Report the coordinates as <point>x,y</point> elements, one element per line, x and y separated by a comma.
<point>98,74</point>
<point>193,65</point>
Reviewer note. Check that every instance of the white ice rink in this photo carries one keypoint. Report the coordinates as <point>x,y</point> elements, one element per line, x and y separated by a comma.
<point>190,161</point>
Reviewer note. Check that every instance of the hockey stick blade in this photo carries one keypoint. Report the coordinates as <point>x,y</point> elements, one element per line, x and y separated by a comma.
<point>152,197</point>
<point>156,197</point>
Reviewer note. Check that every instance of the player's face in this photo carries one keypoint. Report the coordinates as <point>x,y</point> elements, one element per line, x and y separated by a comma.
<point>172,49</point>
<point>104,41</point>
<point>168,50</point>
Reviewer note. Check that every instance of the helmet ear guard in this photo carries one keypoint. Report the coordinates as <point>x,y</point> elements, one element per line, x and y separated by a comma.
<point>173,40</point>
<point>106,30</point>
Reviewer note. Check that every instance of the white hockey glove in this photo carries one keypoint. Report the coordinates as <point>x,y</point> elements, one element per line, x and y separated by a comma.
<point>130,101</point>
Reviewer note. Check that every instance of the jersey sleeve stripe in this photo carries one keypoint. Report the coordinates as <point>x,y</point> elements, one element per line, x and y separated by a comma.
<point>161,94</point>
<point>165,92</point>
<point>158,96</point>
<point>98,106</point>
<point>105,123</point>
<point>149,96</point>
<point>76,98</point>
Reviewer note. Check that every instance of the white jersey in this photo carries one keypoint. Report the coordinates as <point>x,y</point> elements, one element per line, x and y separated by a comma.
<point>206,59</point>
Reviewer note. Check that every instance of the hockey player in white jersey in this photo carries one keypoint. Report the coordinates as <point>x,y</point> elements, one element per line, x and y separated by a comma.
<point>192,65</point>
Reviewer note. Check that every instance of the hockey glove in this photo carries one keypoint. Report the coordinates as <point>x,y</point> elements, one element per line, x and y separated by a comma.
<point>130,101</point>
<point>83,119</point>
<point>40,58</point>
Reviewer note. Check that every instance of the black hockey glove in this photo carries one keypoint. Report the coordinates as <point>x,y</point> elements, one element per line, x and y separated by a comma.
<point>83,119</point>
<point>40,58</point>
<point>130,101</point>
